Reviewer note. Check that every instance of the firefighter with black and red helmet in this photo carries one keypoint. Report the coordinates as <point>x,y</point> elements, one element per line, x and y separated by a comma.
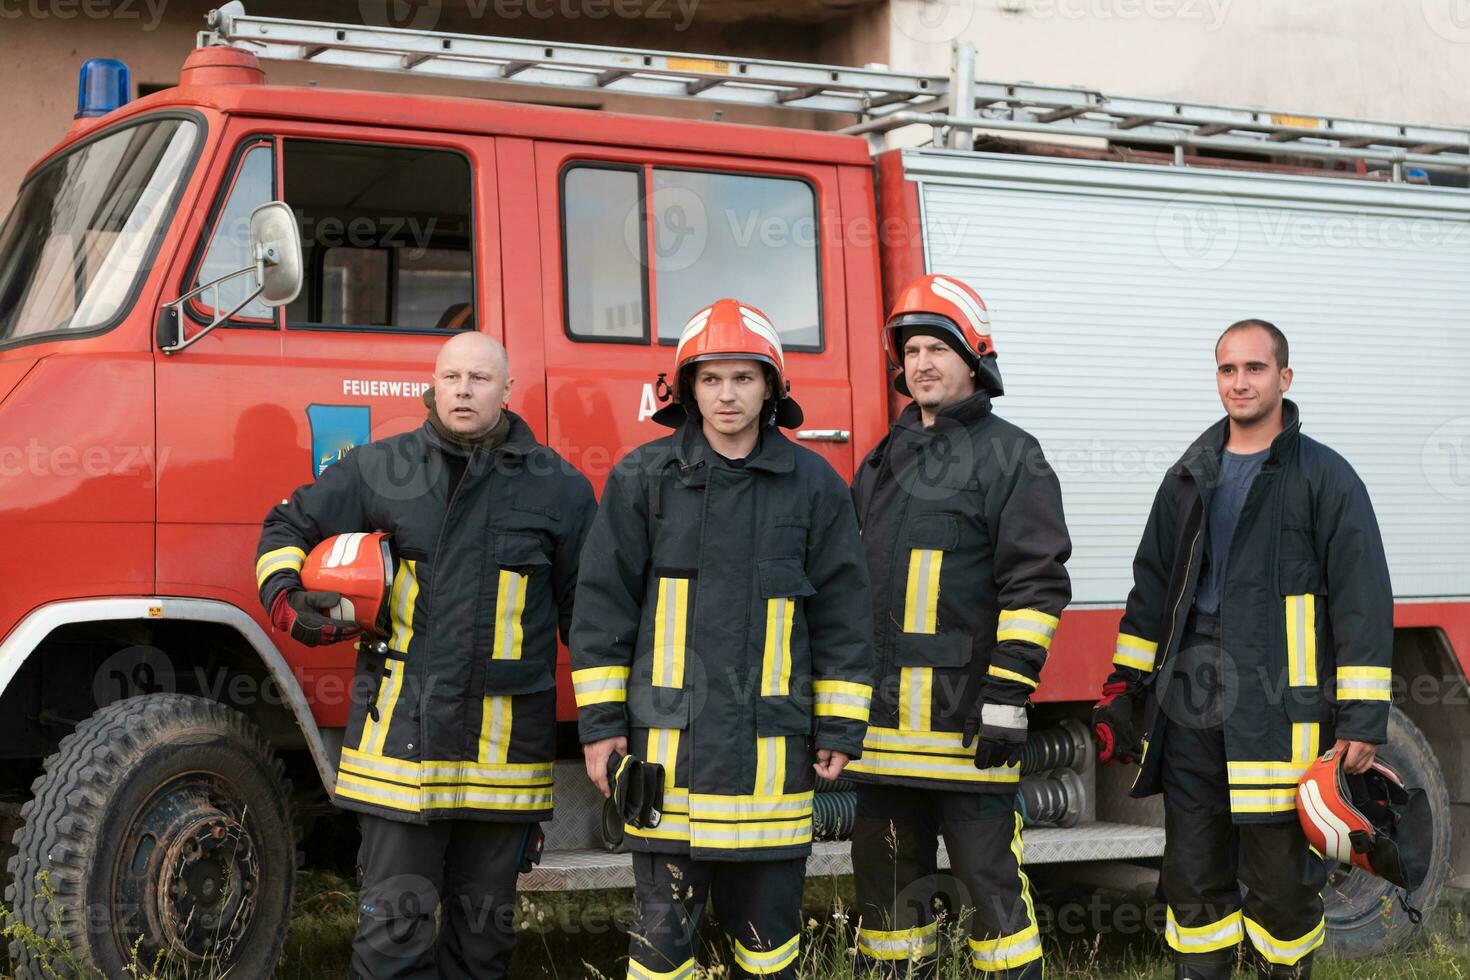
<point>966,543</point>
<point>720,642</point>
<point>451,738</point>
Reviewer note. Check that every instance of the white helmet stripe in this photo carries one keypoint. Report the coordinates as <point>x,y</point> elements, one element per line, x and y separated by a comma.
<point>945,289</point>
<point>762,327</point>
<point>692,329</point>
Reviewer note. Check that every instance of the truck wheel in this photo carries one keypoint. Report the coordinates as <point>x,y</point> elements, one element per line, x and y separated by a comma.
<point>160,833</point>
<point>1364,915</point>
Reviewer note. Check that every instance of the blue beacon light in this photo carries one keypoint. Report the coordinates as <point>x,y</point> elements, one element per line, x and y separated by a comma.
<point>102,86</point>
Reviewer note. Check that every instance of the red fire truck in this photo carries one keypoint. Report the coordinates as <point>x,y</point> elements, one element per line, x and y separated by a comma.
<point>176,356</point>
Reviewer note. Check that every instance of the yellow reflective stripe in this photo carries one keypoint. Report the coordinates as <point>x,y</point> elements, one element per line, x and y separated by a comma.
<point>375,733</point>
<point>671,827</point>
<point>1007,952</point>
<point>770,766</point>
<point>784,806</point>
<point>736,836</point>
<point>597,685</point>
<point>465,796</point>
<point>1220,934</point>
<point>772,961</point>
<point>1364,683</point>
<point>841,699</point>
<point>921,598</point>
<point>510,604</point>
<point>1030,625</point>
<point>776,664</point>
<point>480,774</point>
<point>495,726</point>
<point>663,748</point>
<point>1263,800</point>
<point>668,632</point>
<point>932,743</point>
<point>637,971</point>
<point>1280,951</point>
<point>915,695</point>
<point>277,561</point>
<point>932,767</point>
<point>1306,743</point>
<point>1010,675</point>
<point>1134,651</point>
<point>403,600</point>
<point>1301,640</point>
<point>899,944</point>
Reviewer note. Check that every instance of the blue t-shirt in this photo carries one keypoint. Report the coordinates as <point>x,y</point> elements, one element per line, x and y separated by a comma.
<point>1237,472</point>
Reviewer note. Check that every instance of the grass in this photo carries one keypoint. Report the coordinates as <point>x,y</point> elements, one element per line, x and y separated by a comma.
<point>565,936</point>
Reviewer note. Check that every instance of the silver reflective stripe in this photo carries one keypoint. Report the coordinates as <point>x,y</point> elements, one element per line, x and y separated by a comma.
<point>1226,931</point>
<point>958,769</point>
<point>917,676</point>
<point>703,832</point>
<point>772,776</point>
<point>921,597</point>
<point>1285,953</point>
<point>1003,716</point>
<point>671,619</point>
<point>778,642</point>
<point>509,620</point>
<point>838,698</point>
<point>1004,954</point>
<point>600,684</point>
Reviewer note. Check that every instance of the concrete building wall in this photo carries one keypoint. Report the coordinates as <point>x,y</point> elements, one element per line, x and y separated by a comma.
<point>1399,60</point>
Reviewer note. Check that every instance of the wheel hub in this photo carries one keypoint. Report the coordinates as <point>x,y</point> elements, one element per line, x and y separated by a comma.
<point>193,873</point>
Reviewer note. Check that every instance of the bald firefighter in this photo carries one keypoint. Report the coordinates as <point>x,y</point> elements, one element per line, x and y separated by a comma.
<point>720,646</point>
<point>962,525</point>
<point>449,746</point>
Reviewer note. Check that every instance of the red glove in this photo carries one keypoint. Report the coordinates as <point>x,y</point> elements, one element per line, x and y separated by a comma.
<point>300,613</point>
<point>1112,723</point>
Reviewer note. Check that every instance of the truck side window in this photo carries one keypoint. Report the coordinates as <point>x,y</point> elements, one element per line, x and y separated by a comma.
<point>387,236</point>
<point>229,244</point>
<point>604,244</point>
<point>753,238</point>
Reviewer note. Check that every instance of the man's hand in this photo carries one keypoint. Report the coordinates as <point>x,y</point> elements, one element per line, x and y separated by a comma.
<point>830,763</point>
<point>999,734</point>
<point>597,754</point>
<point>1112,723</point>
<point>302,614</point>
<point>1357,757</point>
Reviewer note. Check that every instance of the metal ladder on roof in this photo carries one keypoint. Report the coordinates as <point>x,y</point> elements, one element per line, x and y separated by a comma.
<point>955,106</point>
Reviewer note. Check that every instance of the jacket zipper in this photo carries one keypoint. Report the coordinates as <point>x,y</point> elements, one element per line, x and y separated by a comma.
<point>1174,615</point>
<point>434,585</point>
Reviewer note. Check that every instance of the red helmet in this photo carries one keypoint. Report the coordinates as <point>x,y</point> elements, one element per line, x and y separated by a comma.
<point>728,329</point>
<point>943,306</point>
<point>1371,820</point>
<point>360,567</point>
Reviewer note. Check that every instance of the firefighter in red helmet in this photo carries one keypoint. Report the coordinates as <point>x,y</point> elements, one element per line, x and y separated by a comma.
<point>449,746</point>
<point>966,547</point>
<point>719,635</point>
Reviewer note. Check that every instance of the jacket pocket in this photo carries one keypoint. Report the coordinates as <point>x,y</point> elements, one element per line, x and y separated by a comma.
<point>519,557</point>
<point>504,677</point>
<point>929,537</point>
<point>783,584</point>
<point>951,648</point>
<point>1303,592</point>
<point>656,707</point>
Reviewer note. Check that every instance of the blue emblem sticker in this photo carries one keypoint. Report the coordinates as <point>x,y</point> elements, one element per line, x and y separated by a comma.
<point>334,430</point>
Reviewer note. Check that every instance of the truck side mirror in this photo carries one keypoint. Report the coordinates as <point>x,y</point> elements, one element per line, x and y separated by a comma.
<point>275,245</point>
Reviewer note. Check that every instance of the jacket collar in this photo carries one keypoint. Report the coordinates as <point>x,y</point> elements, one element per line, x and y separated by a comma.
<point>967,411</point>
<point>1202,458</point>
<point>519,441</point>
<point>773,453</point>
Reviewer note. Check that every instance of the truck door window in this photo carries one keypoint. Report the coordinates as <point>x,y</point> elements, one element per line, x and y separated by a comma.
<point>754,238</point>
<point>714,234</point>
<point>387,236</point>
<point>229,245</point>
<point>604,249</point>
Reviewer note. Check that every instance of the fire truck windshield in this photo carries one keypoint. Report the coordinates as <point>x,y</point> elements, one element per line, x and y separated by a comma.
<point>86,226</point>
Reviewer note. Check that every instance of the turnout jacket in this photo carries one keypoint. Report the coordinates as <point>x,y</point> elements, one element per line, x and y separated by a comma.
<point>721,625</point>
<point>1306,615</point>
<point>458,719</point>
<point>966,544</point>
